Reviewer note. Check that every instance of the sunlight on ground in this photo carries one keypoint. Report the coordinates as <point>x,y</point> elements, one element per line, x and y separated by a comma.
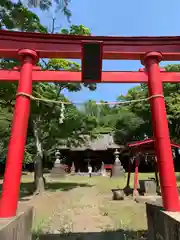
<point>80,203</point>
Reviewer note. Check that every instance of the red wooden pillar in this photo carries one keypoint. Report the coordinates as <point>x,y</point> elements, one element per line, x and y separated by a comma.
<point>136,181</point>
<point>161,134</point>
<point>15,156</point>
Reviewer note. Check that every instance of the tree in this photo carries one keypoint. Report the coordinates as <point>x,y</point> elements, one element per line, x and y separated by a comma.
<point>5,123</point>
<point>16,16</point>
<point>9,6</point>
<point>63,64</point>
<point>60,5</point>
<point>102,116</point>
<point>134,118</point>
<point>128,127</point>
<point>56,64</point>
<point>140,112</point>
<point>172,96</point>
<point>44,126</point>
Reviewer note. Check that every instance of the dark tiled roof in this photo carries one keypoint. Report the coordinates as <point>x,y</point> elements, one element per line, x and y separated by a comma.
<point>103,142</point>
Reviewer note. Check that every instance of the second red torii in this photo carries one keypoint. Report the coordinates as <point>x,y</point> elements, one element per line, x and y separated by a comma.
<point>147,143</point>
<point>144,146</point>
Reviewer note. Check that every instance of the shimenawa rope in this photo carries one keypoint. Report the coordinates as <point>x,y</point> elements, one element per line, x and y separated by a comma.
<point>80,103</point>
<point>62,117</point>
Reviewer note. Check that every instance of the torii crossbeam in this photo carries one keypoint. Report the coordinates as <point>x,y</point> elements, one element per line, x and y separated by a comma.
<point>75,77</point>
<point>29,47</point>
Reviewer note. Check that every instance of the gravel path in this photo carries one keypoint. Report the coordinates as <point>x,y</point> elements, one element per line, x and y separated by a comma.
<point>78,211</point>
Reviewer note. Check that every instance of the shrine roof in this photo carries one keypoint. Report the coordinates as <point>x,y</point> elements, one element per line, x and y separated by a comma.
<point>102,143</point>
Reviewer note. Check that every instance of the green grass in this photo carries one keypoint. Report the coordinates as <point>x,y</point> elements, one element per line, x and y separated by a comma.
<point>126,215</point>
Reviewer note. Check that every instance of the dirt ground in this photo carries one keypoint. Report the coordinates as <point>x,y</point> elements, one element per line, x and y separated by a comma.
<point>82,208</point>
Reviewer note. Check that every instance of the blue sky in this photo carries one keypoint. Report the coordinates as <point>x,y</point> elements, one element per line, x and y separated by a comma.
<point>119,18</point>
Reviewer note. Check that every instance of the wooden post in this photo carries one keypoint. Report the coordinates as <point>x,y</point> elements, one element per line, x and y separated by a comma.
<point>15,156</point>
<point>136,181</point>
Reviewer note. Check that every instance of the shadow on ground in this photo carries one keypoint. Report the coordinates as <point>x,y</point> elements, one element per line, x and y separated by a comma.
<point>64,186</point>
<point>27,189</point>
<point>113,235</point>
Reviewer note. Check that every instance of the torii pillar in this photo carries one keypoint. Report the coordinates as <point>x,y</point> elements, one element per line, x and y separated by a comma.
<point>15,156</point>
<point>161,133</point>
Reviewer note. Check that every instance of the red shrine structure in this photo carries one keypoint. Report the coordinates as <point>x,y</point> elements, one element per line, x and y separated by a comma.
<point>29,47</point>
<point>147,147</point>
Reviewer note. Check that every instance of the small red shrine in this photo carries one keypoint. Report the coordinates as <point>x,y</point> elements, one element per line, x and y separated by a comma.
<point>147,148</point>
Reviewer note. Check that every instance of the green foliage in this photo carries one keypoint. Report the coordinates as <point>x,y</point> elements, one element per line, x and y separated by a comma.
<point>60,6</point>
<point>128,122</point>
<point>101,118</point>
<point>173,68</point>
<point>5,123</point>
<point>63,64</point>
<point>44,116</point>
<point>128,127</point>
<point>138,125</point>
<point>76,30</point>
<point>132,122</point>
<point>16,16</point>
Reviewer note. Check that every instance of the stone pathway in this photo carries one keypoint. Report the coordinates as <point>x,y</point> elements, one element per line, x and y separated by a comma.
<point>81,213</point>
<point>78,211</point>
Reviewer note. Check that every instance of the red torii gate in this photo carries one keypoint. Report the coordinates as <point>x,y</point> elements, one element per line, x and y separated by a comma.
<point>143,146</point>
<point>29,47</point>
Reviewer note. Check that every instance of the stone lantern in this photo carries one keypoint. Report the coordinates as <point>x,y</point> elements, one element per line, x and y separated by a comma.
<point>73,168</point>
<point>117,169</point>
<point>57,155</point>
<point>103,170</point>
<point>58,169</point>
<point>116,155</point>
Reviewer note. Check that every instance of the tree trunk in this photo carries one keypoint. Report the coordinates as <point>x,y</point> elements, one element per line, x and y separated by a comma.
<point>177,159</point>
<point>39,180</point>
